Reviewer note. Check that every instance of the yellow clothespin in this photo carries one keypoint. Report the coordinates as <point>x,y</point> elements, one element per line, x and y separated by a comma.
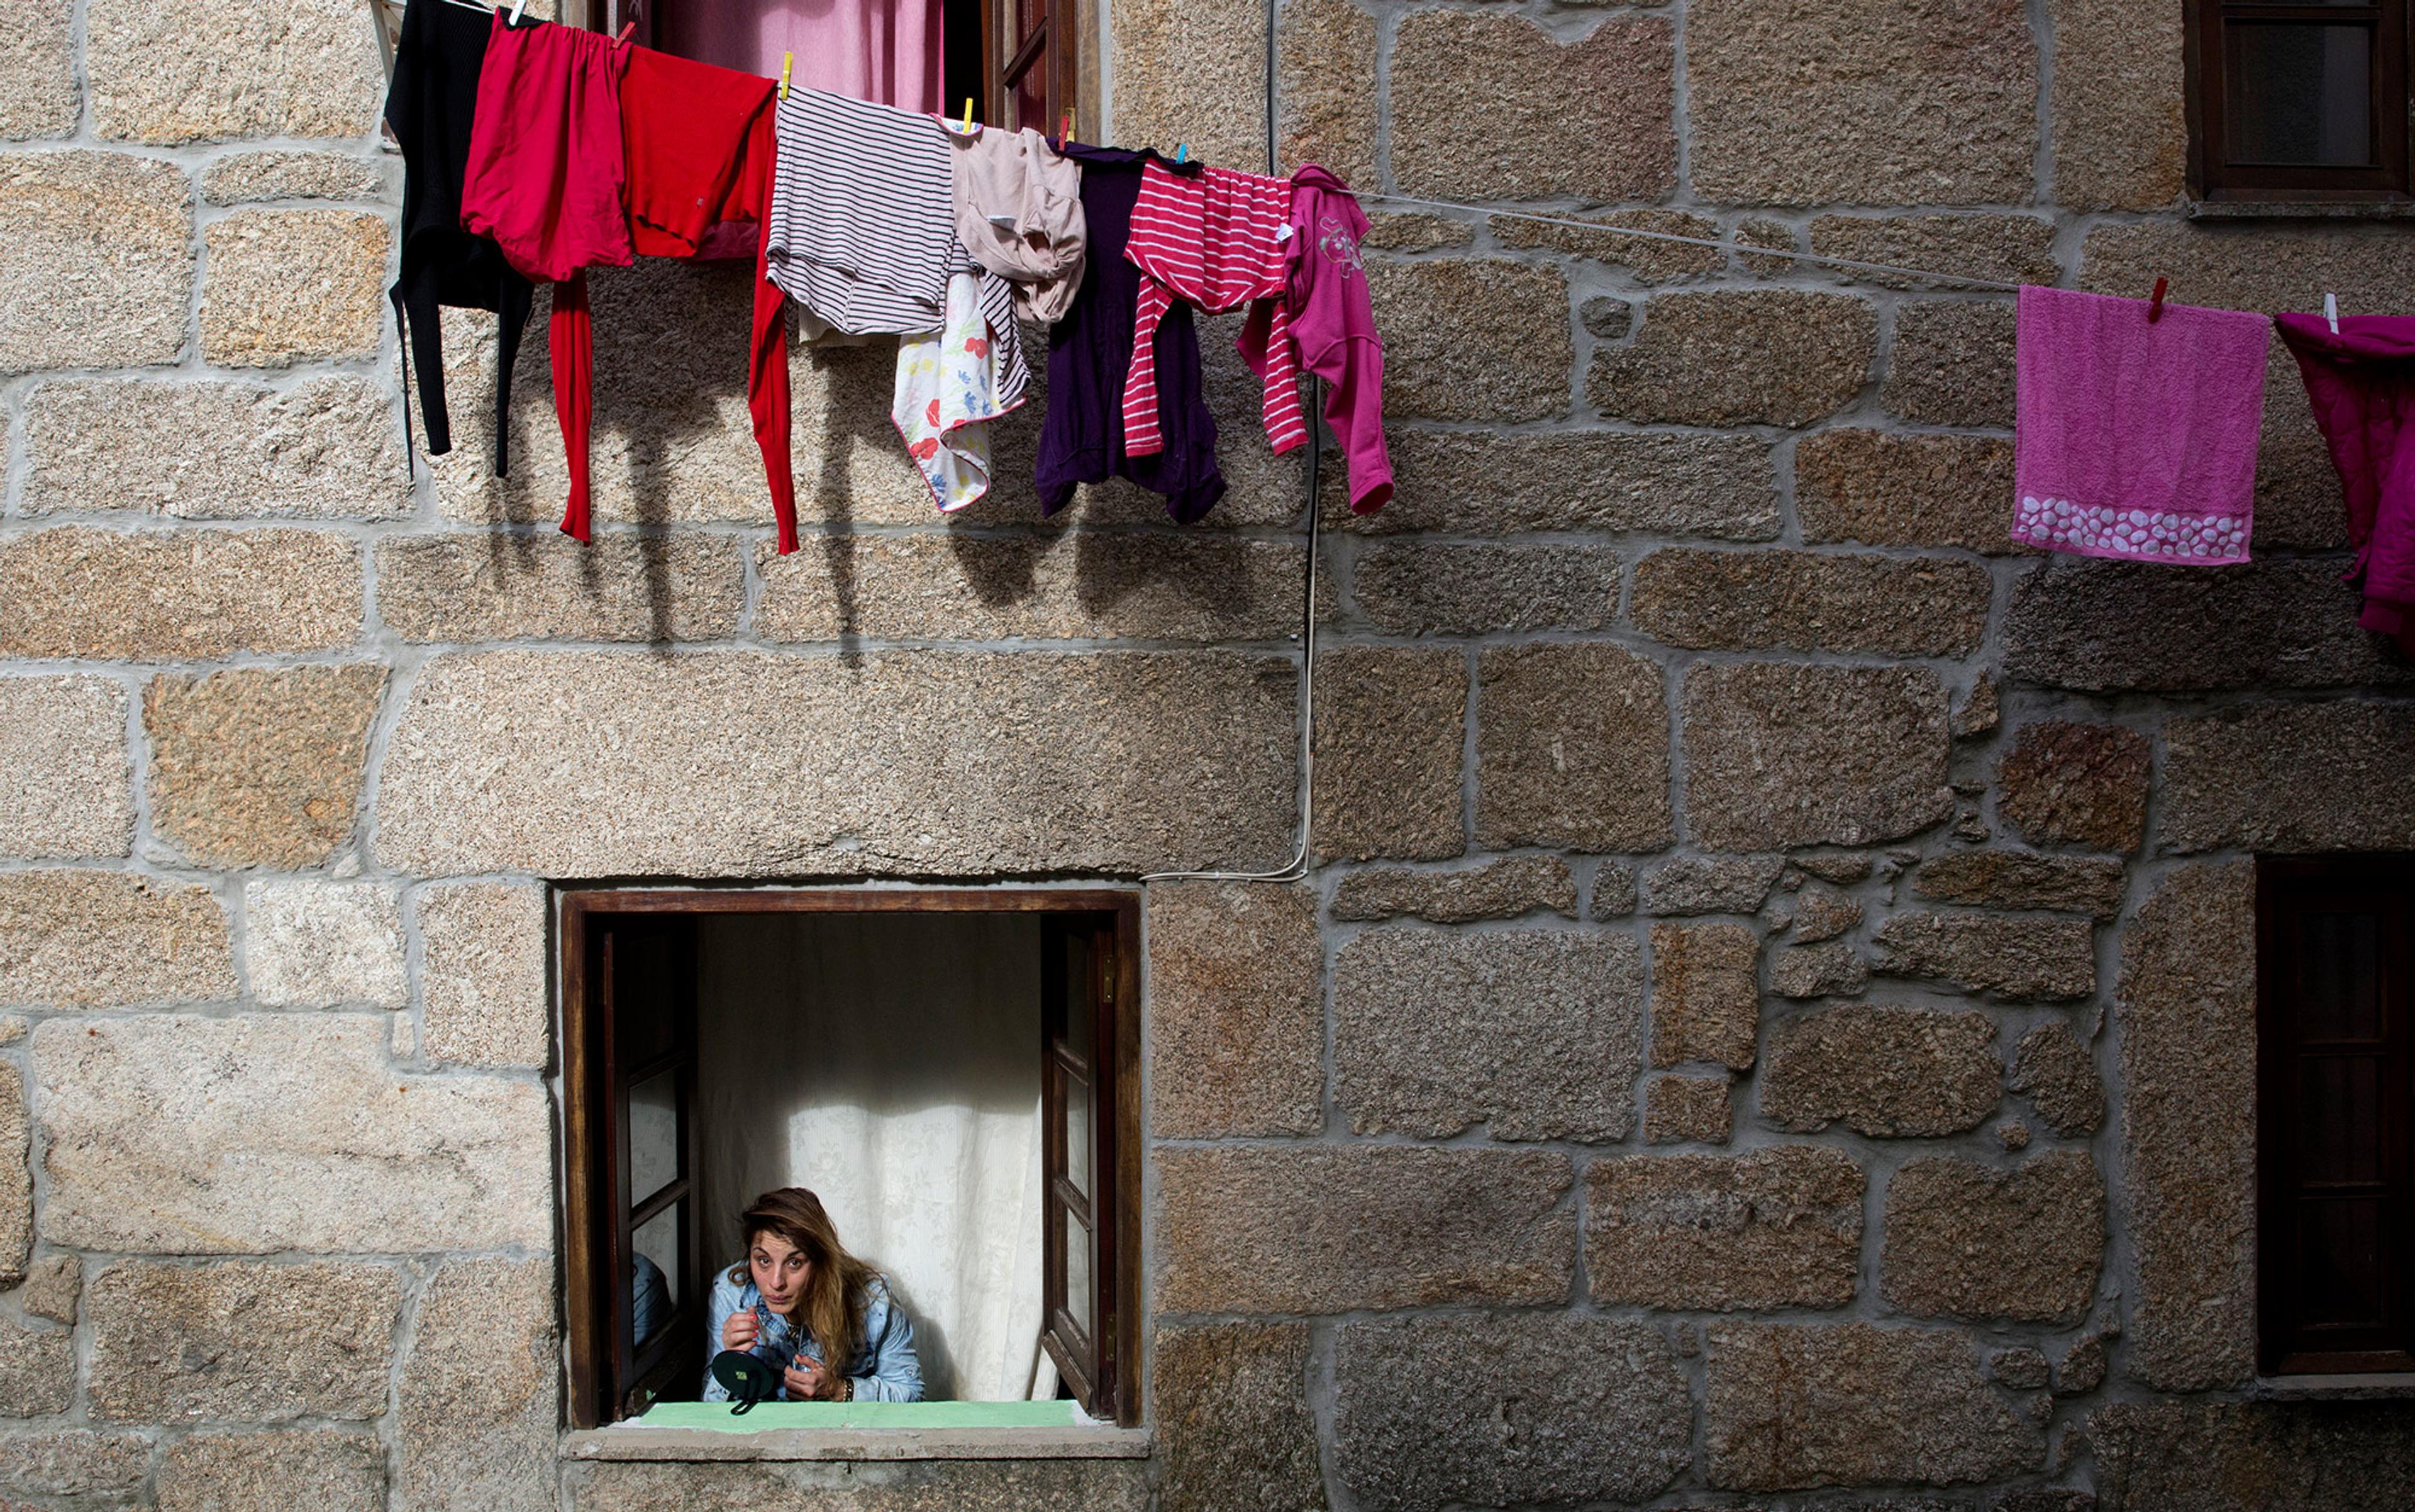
<point>788,61</point>
<point>966,129</point>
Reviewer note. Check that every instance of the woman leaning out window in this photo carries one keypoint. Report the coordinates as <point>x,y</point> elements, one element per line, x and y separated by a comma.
<point>799,1301</point>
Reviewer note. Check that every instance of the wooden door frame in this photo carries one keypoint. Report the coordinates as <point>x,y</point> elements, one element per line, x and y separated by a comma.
<point>580,910</point>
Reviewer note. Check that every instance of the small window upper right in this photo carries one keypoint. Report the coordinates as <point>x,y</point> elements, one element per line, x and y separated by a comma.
<point>2298,100</point>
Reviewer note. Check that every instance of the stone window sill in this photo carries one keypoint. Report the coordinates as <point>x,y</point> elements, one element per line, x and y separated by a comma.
<point>701,1444</point>
<point>2302,209</point>
<point>2393,1386</point>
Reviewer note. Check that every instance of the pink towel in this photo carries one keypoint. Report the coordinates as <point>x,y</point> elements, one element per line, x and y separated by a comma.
<point>2137,439</point>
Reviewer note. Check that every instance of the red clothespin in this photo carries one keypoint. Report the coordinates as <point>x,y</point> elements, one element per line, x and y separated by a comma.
<point>1065,125</point>
<point>2155,305</point>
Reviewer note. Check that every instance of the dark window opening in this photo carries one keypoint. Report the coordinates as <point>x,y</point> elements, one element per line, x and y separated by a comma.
<point>953,1072</point>
<point>2298,100</point>
<point>1019,61</point>
<point>2336,1147</point>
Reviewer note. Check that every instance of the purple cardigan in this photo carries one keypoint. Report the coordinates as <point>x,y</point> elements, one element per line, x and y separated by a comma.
<point>2362,385</point>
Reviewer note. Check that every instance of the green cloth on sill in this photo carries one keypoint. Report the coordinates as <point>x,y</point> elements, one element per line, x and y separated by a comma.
<point>888,1414</point>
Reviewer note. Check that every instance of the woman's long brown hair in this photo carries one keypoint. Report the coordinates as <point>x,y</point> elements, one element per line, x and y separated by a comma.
<point>832,1310</point>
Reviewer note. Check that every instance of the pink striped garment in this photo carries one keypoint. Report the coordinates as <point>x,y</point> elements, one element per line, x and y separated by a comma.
<point>1217,240</point>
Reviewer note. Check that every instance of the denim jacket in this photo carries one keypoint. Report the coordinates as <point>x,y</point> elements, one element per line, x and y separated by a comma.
<point>884,1368</point>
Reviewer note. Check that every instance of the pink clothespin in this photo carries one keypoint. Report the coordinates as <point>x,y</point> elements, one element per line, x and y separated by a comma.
<point>2155,305</point>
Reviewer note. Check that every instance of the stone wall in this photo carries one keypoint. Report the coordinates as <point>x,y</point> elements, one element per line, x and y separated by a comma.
<point>1770,1025</point>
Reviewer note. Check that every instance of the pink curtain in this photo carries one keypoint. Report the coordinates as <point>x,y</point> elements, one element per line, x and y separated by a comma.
<point>887,50</point>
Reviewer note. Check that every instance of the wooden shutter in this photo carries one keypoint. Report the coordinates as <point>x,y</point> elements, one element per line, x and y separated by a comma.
<point>1032,54</point>
<point>629,1073</point>
<point>1082,1052</point>
<point>2336,1085</point>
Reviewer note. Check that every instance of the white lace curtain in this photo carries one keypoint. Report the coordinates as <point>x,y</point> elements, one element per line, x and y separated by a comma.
<point>891,1063</point>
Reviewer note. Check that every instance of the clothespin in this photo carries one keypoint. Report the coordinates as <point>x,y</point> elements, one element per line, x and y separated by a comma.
<point>2331,311</point>
<point>967,127</point>
<point>517,6</point>
<point>788,61</point>
<point>1182,152</point>
<point>1065,123</point>
<point>2155,305</point>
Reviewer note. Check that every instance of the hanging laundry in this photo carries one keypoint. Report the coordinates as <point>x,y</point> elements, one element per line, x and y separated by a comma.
<point>547,178</point>
<point>701,163</point>
<point>947,394</point>
<point>862,236</point>
<point>597,151</point>
<point>1091,352</point>
<point>886,51</point>
<point>1018,206</point>
<point>2136,439</point>
<point>1218,241</point>
<point>1333,326</point>
<point>430,107</point>
<point>862,222</point>
<point>2362,382</point>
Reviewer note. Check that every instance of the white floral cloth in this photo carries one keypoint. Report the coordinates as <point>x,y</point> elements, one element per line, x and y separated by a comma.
<point>949,388</point>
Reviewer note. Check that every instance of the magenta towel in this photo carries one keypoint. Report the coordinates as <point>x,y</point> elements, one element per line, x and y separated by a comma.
<point>2362,382</point>
<point>2137,439</point>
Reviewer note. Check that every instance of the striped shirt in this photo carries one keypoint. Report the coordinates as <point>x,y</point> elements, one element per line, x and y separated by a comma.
<point>1217,241</point>
<point>863,230</point>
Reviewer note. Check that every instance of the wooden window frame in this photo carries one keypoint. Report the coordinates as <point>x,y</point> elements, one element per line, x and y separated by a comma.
<point>2285,887</point>
<point>1046,50</point>
<point>1103,1366</point>
<point>2213,177</point>
<point>611,1367</point>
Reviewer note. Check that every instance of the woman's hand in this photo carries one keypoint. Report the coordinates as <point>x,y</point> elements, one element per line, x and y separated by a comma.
<point>738,1331</point>
<point>808,1380</point>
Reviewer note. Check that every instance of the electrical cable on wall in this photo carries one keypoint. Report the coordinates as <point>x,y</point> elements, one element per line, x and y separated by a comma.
<point>1296,867</point>
<point>1293,870</point>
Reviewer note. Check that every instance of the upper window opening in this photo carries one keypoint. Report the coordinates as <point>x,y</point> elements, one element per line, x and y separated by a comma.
<point>2335,1052</point>
<point>2298,100</point>
<point>1017,60</point>
<point>941,1070</point>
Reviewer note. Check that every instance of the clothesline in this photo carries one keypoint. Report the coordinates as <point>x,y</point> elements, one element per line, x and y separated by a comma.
<point>1603,227</point>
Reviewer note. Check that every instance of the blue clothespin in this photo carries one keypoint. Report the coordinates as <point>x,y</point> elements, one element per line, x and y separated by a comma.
<point>1182,152</point>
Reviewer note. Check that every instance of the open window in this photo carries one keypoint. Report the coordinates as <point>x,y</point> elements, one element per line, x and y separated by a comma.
<point>2298,100</point>
<point>2336,1147</point>
<point>1020,61</point>
<point>953,1072</point>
